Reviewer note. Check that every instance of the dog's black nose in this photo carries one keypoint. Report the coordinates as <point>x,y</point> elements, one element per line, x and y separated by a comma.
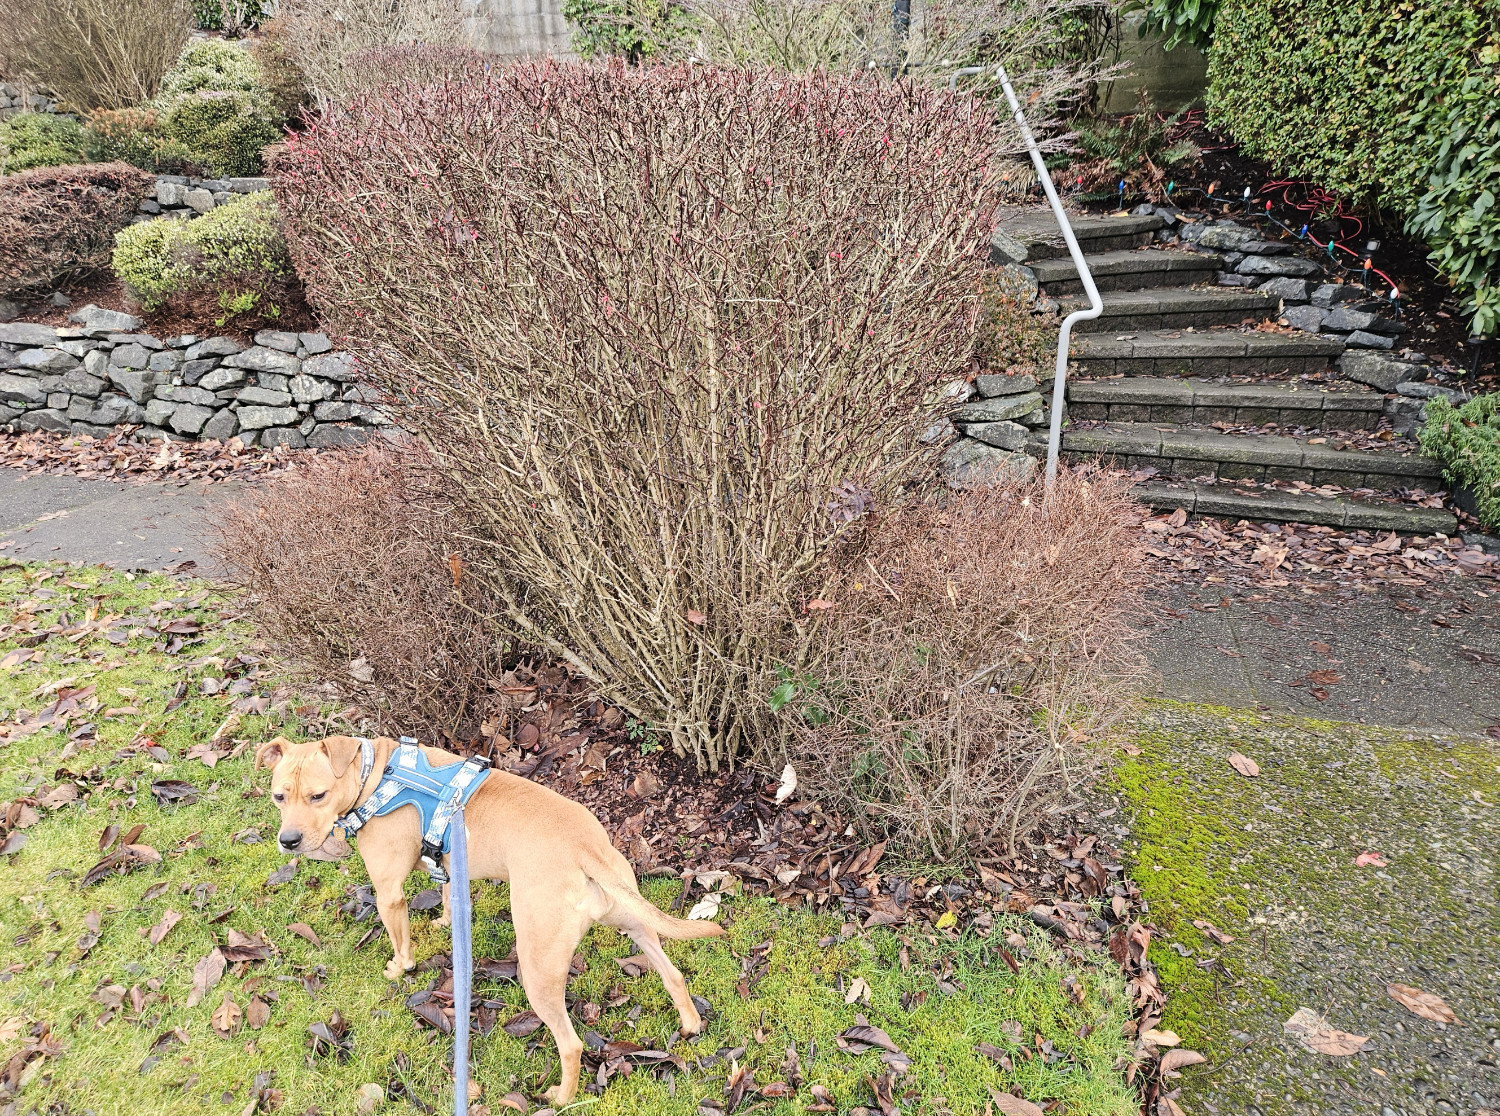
<point>289,841</point>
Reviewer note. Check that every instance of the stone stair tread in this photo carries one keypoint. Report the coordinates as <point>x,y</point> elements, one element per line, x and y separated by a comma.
<point>1027,233</point>
<point>1133,261</point>
<point>1175,300</point>
<point>1208,343</point>
<point>1187,391</point>
<point>1180,442</point>
<point>1349,512</point>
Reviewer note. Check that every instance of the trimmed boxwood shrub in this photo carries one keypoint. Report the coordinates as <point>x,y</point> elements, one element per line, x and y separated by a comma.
<point>1466,442</point>
<point>39,139</point>
<point>232,259</point>
<point>1384,103</point>
<point>61,221</point>
<point>214,104</point>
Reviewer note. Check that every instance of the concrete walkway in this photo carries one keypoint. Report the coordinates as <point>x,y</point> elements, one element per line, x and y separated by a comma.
<point>128,526</point>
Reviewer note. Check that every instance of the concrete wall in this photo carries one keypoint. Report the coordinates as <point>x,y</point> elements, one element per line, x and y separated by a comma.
<point>520,27</point>
<point>1173,79</point>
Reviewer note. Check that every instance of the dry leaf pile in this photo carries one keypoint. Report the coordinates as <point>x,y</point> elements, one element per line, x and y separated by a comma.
<point>125,455</point>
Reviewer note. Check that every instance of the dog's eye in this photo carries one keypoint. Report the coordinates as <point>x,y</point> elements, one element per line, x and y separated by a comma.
<point>278,798</point>
<point>317,797</point>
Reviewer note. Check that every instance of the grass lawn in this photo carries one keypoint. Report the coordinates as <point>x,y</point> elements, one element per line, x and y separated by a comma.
<point>109,1007</point>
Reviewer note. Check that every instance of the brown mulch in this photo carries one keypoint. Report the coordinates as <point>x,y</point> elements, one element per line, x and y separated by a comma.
<point>125,455</point>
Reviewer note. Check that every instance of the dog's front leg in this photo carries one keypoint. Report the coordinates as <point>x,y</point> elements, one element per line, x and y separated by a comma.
<point>447,919</point>
<point>390,901</point>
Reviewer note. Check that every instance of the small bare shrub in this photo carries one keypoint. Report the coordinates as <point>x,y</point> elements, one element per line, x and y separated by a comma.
<point>325,41</point>
<point>93,53</point>
<point>974,647</point>
<point>662,327</point>
<point>354,562</point>
<point>59,222</point>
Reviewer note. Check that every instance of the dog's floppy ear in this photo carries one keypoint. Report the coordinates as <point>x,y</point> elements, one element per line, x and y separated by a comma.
<point>270,753</point>
<point>340,751</point>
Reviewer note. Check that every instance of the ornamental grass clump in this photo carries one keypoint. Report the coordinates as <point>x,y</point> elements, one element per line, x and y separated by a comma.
<point>669,331</point>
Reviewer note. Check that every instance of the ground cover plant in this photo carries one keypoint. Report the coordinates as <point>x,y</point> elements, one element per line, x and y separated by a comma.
<point>57,222</point>
<point>184,965</point>
<point>93,53</point>
<point>231,262</point>
<point>1466,441</point>
<point>655,437</point>
<point>39,139</point>
<point>1380,103</point>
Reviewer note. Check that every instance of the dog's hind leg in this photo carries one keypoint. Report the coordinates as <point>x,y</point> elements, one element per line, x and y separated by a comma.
<point>650,944</point>
<point>549,927</point>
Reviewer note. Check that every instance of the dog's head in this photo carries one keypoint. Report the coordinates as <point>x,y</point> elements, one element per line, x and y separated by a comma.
<point>312,783</point>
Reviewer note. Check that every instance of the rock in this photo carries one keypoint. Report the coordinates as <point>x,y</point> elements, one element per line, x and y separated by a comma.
<point>1017,282</point>
<point>59,400</point>
<point>130,356</point>
<point>189,418</point>
<point>277,339</point>
<point>1294,266</point>
<point>222,377</point>
<point>55,421</point>
<point>1363,340</point>
<point>151,206</point>
<point>263,397</point>
<point>1005,248</point>
<point>372,415</point>
<point>1345,320</point>
<point>195,370</point>
<point>261,359</point>
<point>1287,289</point>
<point>159,410</point>
<point>78,349</point>
<point>308,389</point>
<point>314,343</point>
<point>364,393</point>
<point>138,385</point>
<point>342,412</point>
<point>1003,435</point>
<point>96,363</point>
<point>1378,370</point>
<point>165,362</point>
<point>21,389</point>
<point>187,393</point>
<point>247,185</point>
<point>998,410</point>
<point>992,387</point>
<point>258,418</point>
<point>59,299</point>
<point>1433,391</point>
<point>9,311</point>
<point>185,341</point>
<point>214,347</point>
<point>332,366</point>
<point>972,464</point>
<point>114,410</point>
<point>1305,317</point>
<point>281,436</point>
<point>170,193</point>
<point>1231,237</point>
<point>1406,415</point>
<point>96,318</point>
<point>46,360</point>
<point>199,200</point>
<point>9,414</point>
<point>27,333</point>
<point>273,381</point>
<point>1230,279</point>
<point>1330,294</point>
<point>80,382</point>
<point>221,427</point>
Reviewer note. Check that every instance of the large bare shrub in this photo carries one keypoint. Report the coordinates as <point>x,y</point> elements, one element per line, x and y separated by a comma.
<point>666,329</point>
<point>60,222</point>
<point>93,53</point>
<point>325,40</point>
<point>354,565</point>
<point>975,646</point>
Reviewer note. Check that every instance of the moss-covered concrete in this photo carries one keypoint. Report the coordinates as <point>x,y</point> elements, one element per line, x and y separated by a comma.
<point>1270,861</point>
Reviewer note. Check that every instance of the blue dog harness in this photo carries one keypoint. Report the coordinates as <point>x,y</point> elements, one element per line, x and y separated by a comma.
<point>409,779</point>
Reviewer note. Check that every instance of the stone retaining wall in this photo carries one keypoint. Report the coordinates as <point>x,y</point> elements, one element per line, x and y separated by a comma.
<point>179,196</point>
<point>288,389</point>
<point>14,100</point>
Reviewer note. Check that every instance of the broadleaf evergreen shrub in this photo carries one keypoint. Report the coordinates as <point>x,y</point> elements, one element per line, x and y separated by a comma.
<point>1177,21</point>
<point>59,222</point>
<point>1386,103</point>
<point>1465,441</point>
<point>39,139</point>
<point>669,329</point>
<point>635,30</point>
<point>214,103</point>
<point>233,258</point>
<point>135,136</point>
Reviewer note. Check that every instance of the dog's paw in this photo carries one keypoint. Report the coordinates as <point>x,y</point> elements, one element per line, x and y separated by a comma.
<point>394,970</point>
<point>445,922</point>
<point>560,1095</point>
<point>690,1026</point>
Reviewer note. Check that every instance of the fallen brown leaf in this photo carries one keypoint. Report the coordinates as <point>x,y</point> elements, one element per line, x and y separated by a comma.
<point>1174,1060</point>
<point>1312,1031</point>
<point>1425,1004</point>
<point>1244,765</point>
<point>226,1016</point>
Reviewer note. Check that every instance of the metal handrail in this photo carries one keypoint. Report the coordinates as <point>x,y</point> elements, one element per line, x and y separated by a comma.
<point>1096,304</point>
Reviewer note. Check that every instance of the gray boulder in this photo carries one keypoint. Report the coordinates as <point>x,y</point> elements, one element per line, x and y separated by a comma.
<point>1331,294</point>
<point>221,378</point>
<point>158,411</point>
<point>261,359</point>
<point>27,333</point>
<point>1305,317</point>
<point>47,360</point>
<point>278,339</point>
<point>309,389</point>
<point>113,410</point>
<point>56,422</point>
<point>972,464</point>
<point>187,393</point>
<point>259,418</point>
<point>1295,266</point>
<point>96,319</point>
<point>189,418</point>
<point>79,382</point>
<point>138,385</point>
<point>214,347</point>
<point>282,436</point>
<point>332,366</point>
<point>999,410</point>
<point>168,361</point>
<point>221,427</point>
<point>314,343</point>
<point>21,389</point>
<point>130,356</point>
<point>994,386</point>
<point>1360,339</point>
<point>337,411</point>
<point>1379,370</point>
<point>1002,435</point>
<point>264,397</point>
<point>327,435</point>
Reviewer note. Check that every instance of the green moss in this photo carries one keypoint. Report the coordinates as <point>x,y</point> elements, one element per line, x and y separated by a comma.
<point>208,869</point>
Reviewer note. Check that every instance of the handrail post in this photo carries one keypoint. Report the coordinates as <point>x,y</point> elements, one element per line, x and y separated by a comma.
<point>1096,304</point>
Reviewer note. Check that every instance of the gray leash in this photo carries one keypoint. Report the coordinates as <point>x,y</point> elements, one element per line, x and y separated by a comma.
<point>463,962</point>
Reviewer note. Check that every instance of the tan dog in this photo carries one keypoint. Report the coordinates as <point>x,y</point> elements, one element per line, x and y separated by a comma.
<point>564,874</point>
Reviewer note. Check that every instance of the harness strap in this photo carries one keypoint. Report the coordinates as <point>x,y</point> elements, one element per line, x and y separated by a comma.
<point>437,831</point>
<point>352,822</point>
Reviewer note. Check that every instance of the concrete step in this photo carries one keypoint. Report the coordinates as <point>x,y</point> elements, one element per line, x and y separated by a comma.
<point>1031,233</point>
<point>1173,308</point>
<point>1347,512</point>
<point>1206,353</point>
<point>1339,406</point>
<point>1128,270</point>
<point>1193,451</point>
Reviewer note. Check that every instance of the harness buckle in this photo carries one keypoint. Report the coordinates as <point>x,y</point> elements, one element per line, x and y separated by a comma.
<point>432,854</point>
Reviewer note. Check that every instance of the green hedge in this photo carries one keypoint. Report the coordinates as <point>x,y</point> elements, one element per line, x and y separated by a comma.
<point>214,103</point>
<point>39,139</point>
<point>1383,101</point>
<point>1465,441</point>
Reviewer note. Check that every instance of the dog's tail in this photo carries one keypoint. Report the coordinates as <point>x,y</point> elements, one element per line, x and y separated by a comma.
<point>656,919</point>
